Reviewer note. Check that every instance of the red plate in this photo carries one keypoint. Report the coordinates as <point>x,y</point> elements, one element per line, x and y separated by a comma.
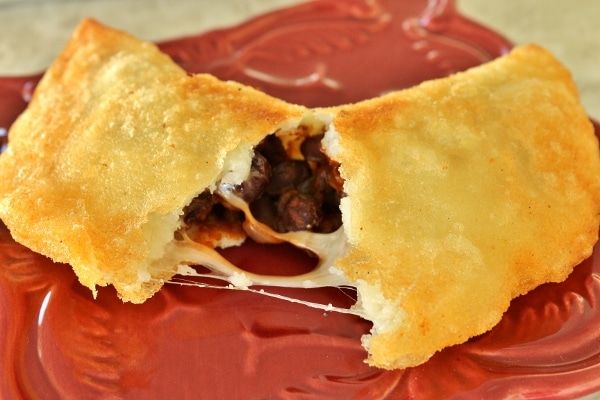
<point>188,342</point>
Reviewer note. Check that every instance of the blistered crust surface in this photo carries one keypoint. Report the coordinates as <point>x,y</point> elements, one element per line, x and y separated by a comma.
<point>116,140</point>
<point>464,193</point>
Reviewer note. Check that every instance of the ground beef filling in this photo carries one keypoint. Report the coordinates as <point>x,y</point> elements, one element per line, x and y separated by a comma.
<point>285,194</point>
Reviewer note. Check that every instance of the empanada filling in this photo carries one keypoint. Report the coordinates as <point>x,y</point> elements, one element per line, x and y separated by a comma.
<point>283,192</point>
<point>292,195</point>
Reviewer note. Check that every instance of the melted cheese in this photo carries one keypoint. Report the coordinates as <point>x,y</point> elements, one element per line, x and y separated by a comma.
<point>326,246</point>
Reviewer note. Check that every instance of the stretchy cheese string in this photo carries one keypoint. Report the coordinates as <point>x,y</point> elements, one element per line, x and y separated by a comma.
<point>324,307</point>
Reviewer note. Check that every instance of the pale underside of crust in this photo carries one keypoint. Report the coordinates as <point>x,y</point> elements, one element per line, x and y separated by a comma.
<point>116,141</point>
<point>464,193</point>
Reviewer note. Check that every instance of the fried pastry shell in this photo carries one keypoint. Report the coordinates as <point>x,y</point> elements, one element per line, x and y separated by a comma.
<point>115,142</point>
<point>464,193</point>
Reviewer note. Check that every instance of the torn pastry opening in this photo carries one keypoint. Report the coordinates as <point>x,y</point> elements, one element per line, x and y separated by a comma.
<point>291,195</point>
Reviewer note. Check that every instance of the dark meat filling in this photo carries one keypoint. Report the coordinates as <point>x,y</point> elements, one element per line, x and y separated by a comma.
<point>283,193</point>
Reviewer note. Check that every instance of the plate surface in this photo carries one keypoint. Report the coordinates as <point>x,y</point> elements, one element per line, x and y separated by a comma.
<point>188,342</point>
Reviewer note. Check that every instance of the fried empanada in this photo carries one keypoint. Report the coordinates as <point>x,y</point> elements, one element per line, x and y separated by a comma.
<point>439,203</point>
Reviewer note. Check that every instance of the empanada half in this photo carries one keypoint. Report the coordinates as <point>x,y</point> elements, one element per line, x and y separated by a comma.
<point>464,193</point>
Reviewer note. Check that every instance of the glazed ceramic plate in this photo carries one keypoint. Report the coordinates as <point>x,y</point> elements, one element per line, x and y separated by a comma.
<point>198,343</point>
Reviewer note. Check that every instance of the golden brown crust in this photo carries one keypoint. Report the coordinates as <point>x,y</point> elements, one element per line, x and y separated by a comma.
<point>73,184</point>
<point>464,193</point>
